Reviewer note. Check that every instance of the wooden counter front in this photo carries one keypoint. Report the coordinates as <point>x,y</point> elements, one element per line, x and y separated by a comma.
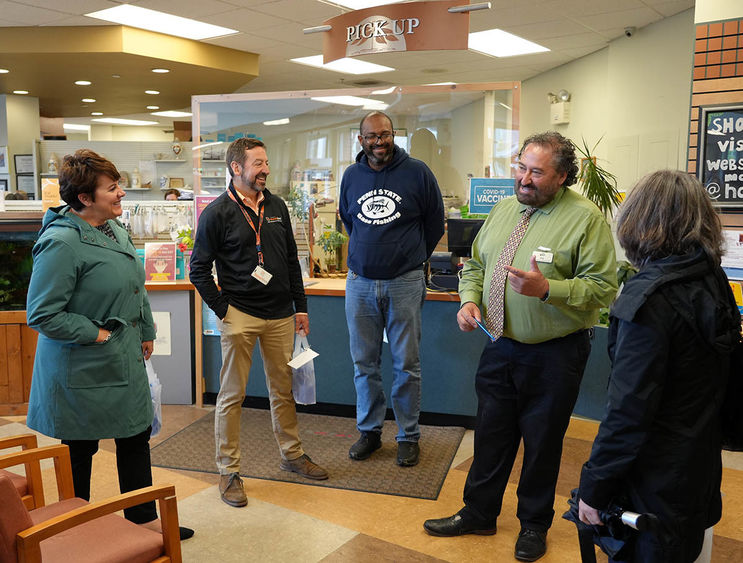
<point>336,287</point>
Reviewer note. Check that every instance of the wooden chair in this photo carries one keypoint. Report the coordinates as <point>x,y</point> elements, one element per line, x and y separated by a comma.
<point>31,498</point>
<point>75,530</point>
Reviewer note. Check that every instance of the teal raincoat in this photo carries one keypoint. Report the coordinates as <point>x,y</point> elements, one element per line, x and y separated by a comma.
<point>83,280</point>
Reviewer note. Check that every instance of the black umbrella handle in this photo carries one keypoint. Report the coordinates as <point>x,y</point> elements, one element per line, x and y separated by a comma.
<point>587,547</point>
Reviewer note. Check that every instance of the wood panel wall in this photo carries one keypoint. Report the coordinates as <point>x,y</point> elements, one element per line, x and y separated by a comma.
<point>717,78</point>
<point>17,349</point>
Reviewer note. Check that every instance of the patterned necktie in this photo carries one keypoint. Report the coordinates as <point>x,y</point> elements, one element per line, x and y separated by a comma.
<point>496,298</point>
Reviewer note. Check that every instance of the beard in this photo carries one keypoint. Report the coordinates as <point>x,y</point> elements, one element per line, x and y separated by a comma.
<point>381,159</point>
<point>254,184</point>
<point>534,196</point>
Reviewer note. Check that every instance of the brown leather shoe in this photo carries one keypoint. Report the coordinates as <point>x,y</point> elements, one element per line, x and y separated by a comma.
<point>305,467</point>
<point>231,489</point>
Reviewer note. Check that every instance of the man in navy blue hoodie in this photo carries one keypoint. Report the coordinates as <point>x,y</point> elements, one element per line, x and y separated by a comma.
<point>391,206</point>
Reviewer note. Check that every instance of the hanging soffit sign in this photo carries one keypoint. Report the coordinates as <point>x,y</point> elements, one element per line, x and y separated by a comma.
<point>413,26</point>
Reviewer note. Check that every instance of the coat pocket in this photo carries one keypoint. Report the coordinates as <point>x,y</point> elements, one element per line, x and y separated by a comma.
<point>99,365</point>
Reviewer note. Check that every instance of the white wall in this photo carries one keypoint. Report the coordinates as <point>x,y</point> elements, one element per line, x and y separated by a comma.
<point>128,133</point>
<point>716,10</point>
<point>635,93</point>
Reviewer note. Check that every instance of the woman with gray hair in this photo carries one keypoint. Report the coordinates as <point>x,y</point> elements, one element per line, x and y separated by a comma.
<point>671,334</point>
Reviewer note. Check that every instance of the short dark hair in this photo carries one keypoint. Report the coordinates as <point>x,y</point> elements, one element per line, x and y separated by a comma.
<point>563,153</point>
<point>372,114</point>
<point>79,174</point>
<point>668,212</point>
<point>171,191</point>
<point>236,151</point>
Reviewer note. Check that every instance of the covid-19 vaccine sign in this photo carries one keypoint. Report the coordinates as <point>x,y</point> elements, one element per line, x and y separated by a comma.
<point>486,192</point>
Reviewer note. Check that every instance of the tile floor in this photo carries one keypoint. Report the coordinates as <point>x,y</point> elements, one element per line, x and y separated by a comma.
<point>297,523</point>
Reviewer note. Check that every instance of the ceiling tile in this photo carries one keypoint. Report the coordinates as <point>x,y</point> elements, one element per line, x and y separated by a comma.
<point>194,9</point>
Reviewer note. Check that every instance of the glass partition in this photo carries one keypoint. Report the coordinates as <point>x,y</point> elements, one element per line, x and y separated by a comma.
<point>459,130</point>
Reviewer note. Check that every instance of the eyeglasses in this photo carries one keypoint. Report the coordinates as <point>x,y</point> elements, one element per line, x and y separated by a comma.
<point>372,137</point>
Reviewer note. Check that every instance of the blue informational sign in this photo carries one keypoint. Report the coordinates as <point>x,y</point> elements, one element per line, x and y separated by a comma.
<point>486,192</point>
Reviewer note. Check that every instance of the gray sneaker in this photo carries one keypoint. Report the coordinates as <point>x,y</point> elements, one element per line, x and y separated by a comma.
<point>231,489</point>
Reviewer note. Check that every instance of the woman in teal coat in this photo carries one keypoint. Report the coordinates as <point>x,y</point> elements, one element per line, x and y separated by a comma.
<point>87,300</point>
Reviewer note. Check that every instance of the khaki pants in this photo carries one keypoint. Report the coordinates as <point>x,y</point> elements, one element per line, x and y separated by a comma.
<point>276,341</point>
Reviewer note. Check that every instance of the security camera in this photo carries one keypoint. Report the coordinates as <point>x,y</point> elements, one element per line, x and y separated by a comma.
<point>629,31</point>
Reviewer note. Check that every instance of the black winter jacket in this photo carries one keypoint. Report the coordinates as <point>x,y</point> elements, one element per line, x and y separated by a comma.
<point>658,448</point>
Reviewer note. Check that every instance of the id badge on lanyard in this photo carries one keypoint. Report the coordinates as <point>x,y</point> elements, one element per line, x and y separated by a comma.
<point>259,273</point>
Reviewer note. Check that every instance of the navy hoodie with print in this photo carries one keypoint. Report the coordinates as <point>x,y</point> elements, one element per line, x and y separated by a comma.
<point>395,216</point>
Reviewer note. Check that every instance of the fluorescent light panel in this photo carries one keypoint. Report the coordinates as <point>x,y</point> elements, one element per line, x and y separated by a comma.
<point>345,66</point>
<point>499,43</point>
<point>134,16</point>
<point>283,121</point>
<point>366,103</point>
<point>120,121</point>
<point>171,113</point>
<point>361,4</point>
<point>76,127</point>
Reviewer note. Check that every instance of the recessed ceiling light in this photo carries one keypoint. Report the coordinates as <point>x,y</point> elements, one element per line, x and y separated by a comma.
<point>120,121</point>
<point>499,43</point>
<point>152,92</point>
<point>346,65</point>
<point>88,100</point>
<point>171,113</point>
<point>283,121</point>
<point>153,107</point>
<point>160,70</point>
<point>4,71</point>
<point>115,76</point>
<point>20,92</point>
<point>134,16</point>
<point>96,113</point>
<point>361,4</point>
<point>441,84</point>
<point>366,103</point>
<point>83,82</point>
<point>76,127</point>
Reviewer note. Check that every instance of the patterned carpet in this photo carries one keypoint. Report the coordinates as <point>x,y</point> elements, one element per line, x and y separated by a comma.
<point>326,440</point>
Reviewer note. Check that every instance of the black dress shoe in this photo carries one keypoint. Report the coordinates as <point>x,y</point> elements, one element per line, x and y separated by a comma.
<point>368,442</point>
<point>531,545</point>
<point>185,533</point>
<point>457,526</point>
<point>407,453</point>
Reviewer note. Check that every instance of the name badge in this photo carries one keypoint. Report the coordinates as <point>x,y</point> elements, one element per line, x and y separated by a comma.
<point>261,275</point>
<point>543,257</point>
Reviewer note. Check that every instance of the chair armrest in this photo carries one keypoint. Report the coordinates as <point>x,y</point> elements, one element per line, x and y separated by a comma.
<point>28,540</point>
<point>62,468</point>
<point>25,440</point>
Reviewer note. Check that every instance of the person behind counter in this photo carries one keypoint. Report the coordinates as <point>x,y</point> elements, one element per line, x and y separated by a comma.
<point>248,233</point>
<point>671,333</point>
<point>529,374</point>
<point>392,209</point>
<point>87,300</point>
<point>172,195</point>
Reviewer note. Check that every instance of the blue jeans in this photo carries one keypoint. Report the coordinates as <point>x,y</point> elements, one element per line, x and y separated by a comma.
<point>372,306</point>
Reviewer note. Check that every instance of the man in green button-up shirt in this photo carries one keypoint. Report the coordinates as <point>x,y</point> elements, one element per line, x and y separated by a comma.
<point>562,273</point>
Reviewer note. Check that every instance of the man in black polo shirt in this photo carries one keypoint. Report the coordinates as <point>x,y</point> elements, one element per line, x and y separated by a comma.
<point>247,232</point>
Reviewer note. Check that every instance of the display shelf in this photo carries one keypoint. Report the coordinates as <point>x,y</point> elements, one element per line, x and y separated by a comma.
<point>137,189</point>
<point>182,160</point>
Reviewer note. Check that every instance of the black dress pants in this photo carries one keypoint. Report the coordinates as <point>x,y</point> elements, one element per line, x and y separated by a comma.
<point>523,391</point>
<point>132,464</point>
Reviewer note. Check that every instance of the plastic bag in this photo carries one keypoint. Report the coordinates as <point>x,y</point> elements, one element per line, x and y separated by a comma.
<point>156,390</point>
<point>303,376</point>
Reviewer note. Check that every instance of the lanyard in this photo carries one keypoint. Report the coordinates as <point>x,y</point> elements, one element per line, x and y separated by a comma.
<point>252,226</point>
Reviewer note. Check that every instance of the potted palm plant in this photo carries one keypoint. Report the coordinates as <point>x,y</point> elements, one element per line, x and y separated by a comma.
<point>330,241</point>
<point>598,184</point>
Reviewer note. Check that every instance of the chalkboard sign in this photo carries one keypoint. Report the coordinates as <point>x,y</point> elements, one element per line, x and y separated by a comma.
<point>720,166</point>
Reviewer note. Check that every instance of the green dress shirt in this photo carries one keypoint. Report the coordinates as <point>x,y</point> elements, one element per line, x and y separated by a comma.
<point>582,273</point>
